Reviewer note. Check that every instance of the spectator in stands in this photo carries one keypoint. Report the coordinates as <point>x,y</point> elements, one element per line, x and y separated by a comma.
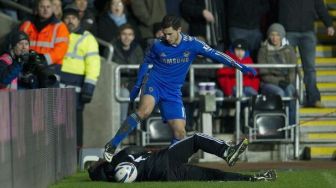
<point>127,51</point>
<point>12,60</point>
<point>109,22</point>
<point>298,17</point>
<point>86,15</point>
<point>148,12</point>
<point>81,65</point>
<point>226,76</point>
<point>244,21</point>
<point>199,17</point>
<point>21,68</point>
<point>57,8</point>
<point>47,34</point>
<point>276,50</point>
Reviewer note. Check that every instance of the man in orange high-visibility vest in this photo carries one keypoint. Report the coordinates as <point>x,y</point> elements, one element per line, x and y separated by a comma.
<point>48,35</point>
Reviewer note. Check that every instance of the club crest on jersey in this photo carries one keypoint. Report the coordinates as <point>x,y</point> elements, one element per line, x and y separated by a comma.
<point>186,54</point>
<point>150,89</point>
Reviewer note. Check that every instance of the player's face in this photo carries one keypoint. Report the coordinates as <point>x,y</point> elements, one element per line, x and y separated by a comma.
<point>45,9</point>
<point>21,47</point>
<point>171,35</point>
<point>72,22</point>
<point>275,38</point>
<point>127,37</point>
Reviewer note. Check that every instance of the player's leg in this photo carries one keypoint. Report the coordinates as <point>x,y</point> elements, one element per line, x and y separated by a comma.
<point>187,172</point>
<point>182,150</point>
<point>178,127</point>
<point>174,113</point>
<point>147,103</point>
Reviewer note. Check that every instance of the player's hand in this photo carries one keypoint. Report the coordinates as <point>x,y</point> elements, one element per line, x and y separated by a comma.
<point>246,70</point>
<point>134,93</point>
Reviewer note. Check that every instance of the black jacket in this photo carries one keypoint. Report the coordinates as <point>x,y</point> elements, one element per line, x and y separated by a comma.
<point>299,15</point>
<point>246,14</point>
<point>107,30</point>
<point>192,12</point>
<point>150,166</point>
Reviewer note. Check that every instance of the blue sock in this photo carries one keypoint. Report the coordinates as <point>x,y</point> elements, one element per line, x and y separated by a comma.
<point>129,124</point>
<point>174,141</point>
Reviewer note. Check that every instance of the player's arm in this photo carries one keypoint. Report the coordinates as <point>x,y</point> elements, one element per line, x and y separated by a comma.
<point>205,50</point>
<point>143,70</point>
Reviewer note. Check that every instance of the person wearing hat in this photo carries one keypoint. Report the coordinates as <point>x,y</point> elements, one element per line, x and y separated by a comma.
<point>226,76</point>
<point>81,64</point>
<point>12,60</point>
<point>276,50</point>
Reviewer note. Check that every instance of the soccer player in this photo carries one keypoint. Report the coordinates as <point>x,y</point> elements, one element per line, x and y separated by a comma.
<point>171,164</point>
<point>171,57</point>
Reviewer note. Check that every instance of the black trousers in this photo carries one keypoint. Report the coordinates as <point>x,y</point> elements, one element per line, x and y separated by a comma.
<point>179,153</point>
<point>79,121</point>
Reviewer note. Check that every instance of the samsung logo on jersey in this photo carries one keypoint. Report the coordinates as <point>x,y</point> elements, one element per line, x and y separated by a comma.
<point>175,60</point>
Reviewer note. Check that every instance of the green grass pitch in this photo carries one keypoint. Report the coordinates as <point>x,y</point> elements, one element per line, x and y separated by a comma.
<point>286,179</point>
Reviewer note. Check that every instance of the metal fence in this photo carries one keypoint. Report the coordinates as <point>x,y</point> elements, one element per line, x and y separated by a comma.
<point>37,137</point>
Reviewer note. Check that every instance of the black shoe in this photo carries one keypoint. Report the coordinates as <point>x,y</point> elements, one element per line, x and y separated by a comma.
<point>231,155</point>
<point>109,152</point>
<point>269,175</point>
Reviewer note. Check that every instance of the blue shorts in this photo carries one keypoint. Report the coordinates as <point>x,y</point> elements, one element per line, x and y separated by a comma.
<point>169,101</point>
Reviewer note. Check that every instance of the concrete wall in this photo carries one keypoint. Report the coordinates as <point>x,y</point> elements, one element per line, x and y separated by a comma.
<point>101,116</point>
<point>7,24</point>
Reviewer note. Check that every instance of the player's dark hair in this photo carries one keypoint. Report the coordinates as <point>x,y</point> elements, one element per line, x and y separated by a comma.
<point>171,21</point>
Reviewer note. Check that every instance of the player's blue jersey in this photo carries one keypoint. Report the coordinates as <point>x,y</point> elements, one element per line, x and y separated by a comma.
<point>171,63</point>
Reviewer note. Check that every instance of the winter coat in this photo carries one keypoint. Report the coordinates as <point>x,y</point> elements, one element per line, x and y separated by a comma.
<point>226,76</point>
<point>284,55</point>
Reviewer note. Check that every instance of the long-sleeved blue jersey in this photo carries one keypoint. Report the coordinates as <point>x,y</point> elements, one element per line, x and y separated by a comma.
<point>171,63</point>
